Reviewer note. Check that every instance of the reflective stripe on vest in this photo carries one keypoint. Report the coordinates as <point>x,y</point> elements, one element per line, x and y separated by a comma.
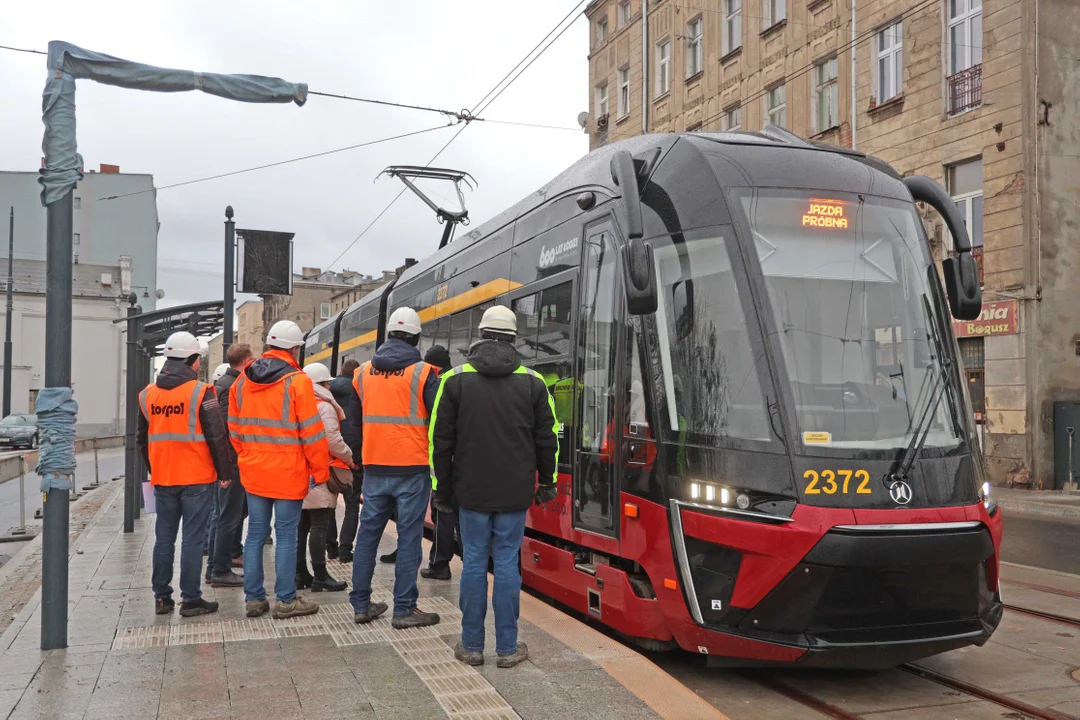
<point>395,420</point>
<point>177,447</point>
<point>284,423</point>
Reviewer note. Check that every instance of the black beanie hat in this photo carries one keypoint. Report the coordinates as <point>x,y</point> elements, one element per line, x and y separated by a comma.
<point>438,356</point>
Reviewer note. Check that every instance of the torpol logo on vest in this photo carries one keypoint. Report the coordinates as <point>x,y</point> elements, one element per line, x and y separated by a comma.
<point>167,410</point>
<point>548,256</point>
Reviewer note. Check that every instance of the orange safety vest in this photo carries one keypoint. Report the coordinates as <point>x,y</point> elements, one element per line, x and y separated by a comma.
<point>395,418</point>
<point>278,435</point>
<point>179,454</point>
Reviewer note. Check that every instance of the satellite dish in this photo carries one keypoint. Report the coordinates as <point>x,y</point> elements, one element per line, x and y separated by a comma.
<point>160,294</point>
<point>583,119</point>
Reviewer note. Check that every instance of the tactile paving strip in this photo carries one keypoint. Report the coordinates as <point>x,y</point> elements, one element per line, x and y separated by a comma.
<point>253,629</point>
<point>308,626</point>
<point>141,637</point>
<point>195,634</point>
<point>459,688</point>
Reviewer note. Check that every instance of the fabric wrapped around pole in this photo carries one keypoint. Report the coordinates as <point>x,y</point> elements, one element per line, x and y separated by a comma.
<point>56,410</point>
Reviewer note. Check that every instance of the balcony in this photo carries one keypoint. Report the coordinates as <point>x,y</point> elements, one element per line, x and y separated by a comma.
<point>965,90</point>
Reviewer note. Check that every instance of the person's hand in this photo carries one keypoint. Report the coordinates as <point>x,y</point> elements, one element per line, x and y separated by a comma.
<point>545,494</point>
<point>443,505</point>
<point>353,466</point>
<point>225,483</point>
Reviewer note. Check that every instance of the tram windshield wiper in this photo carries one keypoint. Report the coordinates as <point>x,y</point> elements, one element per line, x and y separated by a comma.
<point>937,389</point>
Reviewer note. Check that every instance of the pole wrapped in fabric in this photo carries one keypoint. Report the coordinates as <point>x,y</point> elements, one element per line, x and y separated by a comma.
<point>56,410</point>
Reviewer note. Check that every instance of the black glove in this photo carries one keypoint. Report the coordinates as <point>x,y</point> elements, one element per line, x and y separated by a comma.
<point>545,494</point>
<point>444,505</point>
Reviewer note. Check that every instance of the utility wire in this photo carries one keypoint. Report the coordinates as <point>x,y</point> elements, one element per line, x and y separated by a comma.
<point>275,164</point>
<point>22,50</point>
<point>475,111</point>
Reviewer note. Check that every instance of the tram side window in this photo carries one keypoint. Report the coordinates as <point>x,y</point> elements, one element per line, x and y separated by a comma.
<point>436,332</point>
<point>477,315</point>
<point>528,324</point>
<point>554,314</point>
<point>459,338</point>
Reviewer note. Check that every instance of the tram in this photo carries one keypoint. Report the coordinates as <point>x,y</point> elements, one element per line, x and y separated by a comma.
<point>767,450</point>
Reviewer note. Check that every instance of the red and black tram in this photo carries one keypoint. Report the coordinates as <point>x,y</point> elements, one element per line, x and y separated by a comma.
<point>768,454</point>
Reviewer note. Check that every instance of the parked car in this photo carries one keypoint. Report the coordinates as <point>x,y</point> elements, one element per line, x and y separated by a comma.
<point>19,431</point>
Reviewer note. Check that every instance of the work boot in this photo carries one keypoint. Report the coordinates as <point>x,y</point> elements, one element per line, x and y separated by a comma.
<point>323,582</point>
<point>303,577</point>
<point>227,579</point>
<point>519,655</point>
<point>199,607</point>
<point>436,573</point>
<point>344,556</point>
<point>374,610</point>
<point>469,657</point>
<point>389,559</point>
<point>417,618</point>
<point>297,608</point>
<point>164,606</point>
<point>257,608</point>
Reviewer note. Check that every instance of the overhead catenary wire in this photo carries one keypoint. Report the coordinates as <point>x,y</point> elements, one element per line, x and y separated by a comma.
<point>483,103</point>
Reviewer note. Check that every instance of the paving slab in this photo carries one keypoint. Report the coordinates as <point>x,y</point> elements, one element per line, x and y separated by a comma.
<point>125,661</point>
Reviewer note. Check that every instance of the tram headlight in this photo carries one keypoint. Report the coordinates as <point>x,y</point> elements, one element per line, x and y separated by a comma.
<point>711,494</point>
<point>987,499</point>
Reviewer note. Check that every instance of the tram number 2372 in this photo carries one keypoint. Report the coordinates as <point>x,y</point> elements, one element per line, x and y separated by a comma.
<point>831,482</point>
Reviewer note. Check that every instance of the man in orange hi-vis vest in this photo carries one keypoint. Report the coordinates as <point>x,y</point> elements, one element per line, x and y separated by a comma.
<point>182,437</point>
<point>394,396</point>
<point>281,449</point>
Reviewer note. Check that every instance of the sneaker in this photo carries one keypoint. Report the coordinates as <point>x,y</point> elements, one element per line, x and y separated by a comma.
<point>297,608</point>
<point>417,618</point>
<point>227,579</point>
<point>439,573</point>
<point>389,559</point>
<point>344,556</point>
<point>328,584</point>
<point>199,607</point>
<point>257,608</point>
<point>469,657</point>
<point>374,610</point>
<point>519,655</point>
<point>164,606</point>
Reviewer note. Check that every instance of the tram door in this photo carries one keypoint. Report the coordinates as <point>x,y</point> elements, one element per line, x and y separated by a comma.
<point>595,479</point>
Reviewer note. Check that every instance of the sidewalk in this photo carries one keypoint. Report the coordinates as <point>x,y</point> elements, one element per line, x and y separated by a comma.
<point>1050,503</point>
<point>125,662</point>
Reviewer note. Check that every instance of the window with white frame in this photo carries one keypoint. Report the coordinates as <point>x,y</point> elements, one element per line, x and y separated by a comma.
<point>663,67</point>
<point>773,11</point>
<point>624,92</point>
<point>965,34</point>
<point>732,39</point>
<point>601,100</point>
<point>776,106</point>
<point>601,31</point>
<point>825,103</point>
<point>695,60</point>
<point>624,13</point>
<point>889,69</point>
<point>76,239</point>
<point>324,311</point>
<point>732,118</point>
<point>965,182</point>
<point>78,203</point>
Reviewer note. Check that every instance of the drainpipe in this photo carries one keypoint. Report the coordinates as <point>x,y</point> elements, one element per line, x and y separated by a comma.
<point>644,66</point>
<point>854,87</point>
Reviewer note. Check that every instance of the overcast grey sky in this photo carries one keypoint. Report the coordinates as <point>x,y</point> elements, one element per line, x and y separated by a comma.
<point>445,54</point>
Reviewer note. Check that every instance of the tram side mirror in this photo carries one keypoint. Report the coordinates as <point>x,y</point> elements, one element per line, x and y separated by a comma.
<point>682,303</point>
<point>961,272</point>
<point>639,272</point>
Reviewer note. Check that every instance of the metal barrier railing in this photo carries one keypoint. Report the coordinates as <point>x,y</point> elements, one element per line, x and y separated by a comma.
<point>22,531</point>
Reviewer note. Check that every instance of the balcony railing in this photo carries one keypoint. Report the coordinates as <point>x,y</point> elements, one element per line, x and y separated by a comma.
<point>965,90</point>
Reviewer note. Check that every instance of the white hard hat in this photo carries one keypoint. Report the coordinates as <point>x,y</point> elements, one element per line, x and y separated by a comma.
<point>221,369</point>
<point>182,345</point>
<point>285,334</point>
<point>499,318</point>
<point>403,320</point>
<point>318,372</point>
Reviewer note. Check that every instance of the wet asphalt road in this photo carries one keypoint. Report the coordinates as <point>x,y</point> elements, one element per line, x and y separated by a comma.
<point>1043,542</point>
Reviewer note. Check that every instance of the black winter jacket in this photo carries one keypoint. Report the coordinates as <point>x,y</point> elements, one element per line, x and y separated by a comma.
<point>493,431</point>
<point>344,393</point>
<point>174,374</point>
<point>224,389</point>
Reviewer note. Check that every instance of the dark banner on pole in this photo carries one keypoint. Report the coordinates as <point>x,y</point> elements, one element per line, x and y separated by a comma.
<point>264,262</point>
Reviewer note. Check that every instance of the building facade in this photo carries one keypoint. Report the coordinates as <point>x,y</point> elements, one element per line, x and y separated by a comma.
<point>973,93</point>
<point>98,350</point>
<point>114,214</point>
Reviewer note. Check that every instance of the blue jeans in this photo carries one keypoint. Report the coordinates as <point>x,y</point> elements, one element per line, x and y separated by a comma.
<point>496,535</point>
<point>382,493</point>
<point>191,505</point>
<point>286,518</point>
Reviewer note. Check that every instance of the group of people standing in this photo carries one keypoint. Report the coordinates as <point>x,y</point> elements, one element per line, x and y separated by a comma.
<point>281,444</point>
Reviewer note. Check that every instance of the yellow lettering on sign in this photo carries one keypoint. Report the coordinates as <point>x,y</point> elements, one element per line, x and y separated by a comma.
<point>816,438</point>
<point>825,215</point>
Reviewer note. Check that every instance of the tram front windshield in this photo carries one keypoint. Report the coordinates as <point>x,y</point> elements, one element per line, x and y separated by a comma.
<point>847,280</point>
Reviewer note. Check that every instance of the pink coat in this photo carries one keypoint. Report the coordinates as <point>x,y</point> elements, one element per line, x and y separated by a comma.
<point>332,415</point>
